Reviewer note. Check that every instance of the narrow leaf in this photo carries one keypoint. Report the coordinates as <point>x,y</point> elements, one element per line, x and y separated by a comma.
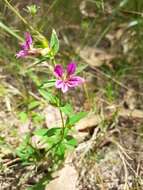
<point>54,42</point>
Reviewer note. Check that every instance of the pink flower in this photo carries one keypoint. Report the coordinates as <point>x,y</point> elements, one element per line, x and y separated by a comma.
<point>26,46</point>
<point>67,80</point>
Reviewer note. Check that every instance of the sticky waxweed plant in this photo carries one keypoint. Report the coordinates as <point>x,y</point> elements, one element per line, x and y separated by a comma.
<point>40,143</point>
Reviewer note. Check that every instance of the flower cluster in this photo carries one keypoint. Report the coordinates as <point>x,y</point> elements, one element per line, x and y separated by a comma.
<point>65,79</point>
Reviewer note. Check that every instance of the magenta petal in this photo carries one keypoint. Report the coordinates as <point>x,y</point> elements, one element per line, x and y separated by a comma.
<point>71,68</point>
<point>24,46</point>
<point>59,83</point>
<point>28,42</point>
<point>75,81</point>
<point>22,53</point>
<point>28,39</point>
<point>58,71</point>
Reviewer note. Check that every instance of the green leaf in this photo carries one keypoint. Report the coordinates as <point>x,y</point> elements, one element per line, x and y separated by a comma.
<point>25,151</point>
<point>48,132</point>
<point>70,141</point>
<point>50,137</point>
<point>54,131</point>
<point>133,23</point>
<point>50,141</point>
<point>60,150</point>
<point>67,109</point>
<point>33,105</point>
<point>49,83</point>
<point>37,117</point>
<point>54,42</point>
<point>123,3</point>
<point>23,116</point>
<point>75,118</point>
<point>49,96</point>
<point>41,132</point>
<point>66,131</point>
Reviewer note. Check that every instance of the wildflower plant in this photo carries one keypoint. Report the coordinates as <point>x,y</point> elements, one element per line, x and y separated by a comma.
<point>39,142</point>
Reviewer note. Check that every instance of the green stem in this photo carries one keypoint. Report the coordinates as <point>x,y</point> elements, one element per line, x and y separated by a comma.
<point>16,12</point>
<point>62,118</point>
<point>63,125</point>
<point>53,62</point>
